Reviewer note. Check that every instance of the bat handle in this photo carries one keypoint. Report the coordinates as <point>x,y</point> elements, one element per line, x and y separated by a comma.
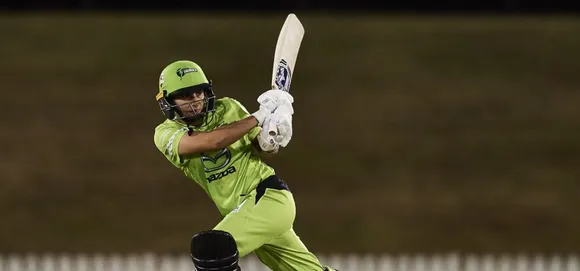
<point>272,129</point>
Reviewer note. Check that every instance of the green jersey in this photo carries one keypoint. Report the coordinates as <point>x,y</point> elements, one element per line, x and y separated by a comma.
<point>225,175</point>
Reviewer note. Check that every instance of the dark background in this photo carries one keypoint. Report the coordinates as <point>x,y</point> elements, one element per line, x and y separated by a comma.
<point>419,126</point>
<point>414,6</point>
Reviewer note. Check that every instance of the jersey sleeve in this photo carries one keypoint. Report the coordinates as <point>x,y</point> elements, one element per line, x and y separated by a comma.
<point>167,141</point>
<point>241,113</point>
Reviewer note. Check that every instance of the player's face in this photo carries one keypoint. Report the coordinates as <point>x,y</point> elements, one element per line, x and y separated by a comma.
<point>191,105</point>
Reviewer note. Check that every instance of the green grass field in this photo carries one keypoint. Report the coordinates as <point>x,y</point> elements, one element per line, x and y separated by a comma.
<point>411,133</point>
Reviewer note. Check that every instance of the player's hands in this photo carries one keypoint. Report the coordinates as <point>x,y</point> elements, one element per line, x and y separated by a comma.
<point>269,101</point>
<point>281,122</point>
<point>267,142</point>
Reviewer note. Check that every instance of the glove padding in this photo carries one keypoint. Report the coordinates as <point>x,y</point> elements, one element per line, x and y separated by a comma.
<point>269,101</point>
<point>267,142</point>
<point>281,119</point>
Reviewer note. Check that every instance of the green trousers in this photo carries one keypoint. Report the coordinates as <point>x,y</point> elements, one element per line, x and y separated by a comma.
<point>265,228</point>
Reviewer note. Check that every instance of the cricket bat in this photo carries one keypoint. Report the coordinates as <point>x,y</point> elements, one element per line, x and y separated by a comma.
<point>285,56</point>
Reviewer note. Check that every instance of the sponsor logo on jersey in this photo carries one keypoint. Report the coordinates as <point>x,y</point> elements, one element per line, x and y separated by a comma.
<point>219,175</point>
<point>217,160</point>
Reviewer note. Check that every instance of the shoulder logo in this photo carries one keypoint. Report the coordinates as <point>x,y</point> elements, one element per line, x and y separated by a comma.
<point>283,76</point>
<point>183,71</point>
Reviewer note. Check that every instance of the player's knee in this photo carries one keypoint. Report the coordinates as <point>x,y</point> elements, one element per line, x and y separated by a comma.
<point>214,250</point>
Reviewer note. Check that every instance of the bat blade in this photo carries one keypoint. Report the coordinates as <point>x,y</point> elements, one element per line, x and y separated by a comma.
<point>285,56</point>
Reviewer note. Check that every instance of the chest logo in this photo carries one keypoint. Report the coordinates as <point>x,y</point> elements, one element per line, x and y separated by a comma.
<point>216,160</point>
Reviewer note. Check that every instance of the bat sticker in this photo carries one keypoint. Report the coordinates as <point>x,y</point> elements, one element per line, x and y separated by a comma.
<point>283,76</point>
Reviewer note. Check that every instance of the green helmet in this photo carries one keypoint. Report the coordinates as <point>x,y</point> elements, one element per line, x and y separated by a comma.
<point>184,78</point>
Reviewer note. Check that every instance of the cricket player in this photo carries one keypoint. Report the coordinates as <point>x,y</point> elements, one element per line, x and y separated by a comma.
<point>216,143</point>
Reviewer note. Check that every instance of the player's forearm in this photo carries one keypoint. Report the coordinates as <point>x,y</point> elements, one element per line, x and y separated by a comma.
<point>228,134</point>
<point>219,138</point>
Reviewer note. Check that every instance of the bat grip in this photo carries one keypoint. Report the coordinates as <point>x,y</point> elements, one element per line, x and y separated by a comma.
<point>272,128</point>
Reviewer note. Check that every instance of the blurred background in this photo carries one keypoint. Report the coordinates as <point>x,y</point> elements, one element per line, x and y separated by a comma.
<point>420,127</point>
